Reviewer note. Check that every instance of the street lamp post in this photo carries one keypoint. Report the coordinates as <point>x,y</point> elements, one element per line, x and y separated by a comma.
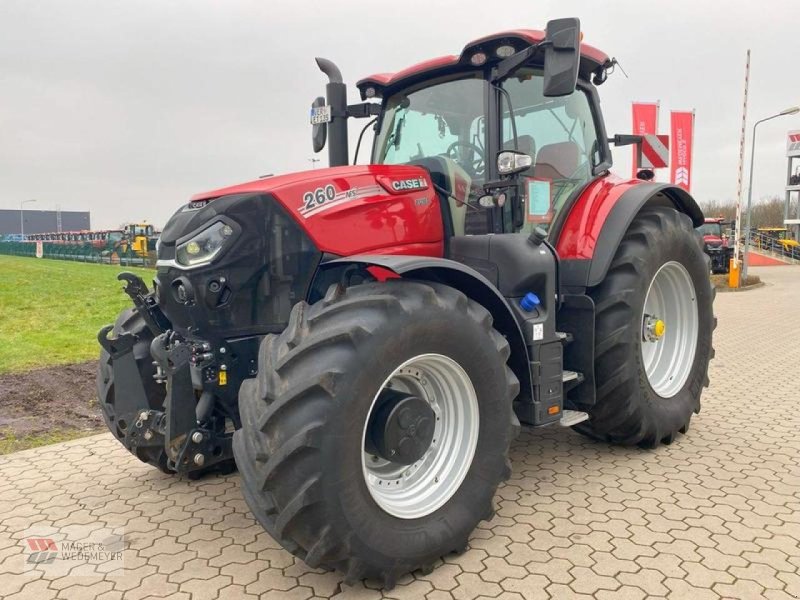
<point>21,220</point>
<point>746,262</point>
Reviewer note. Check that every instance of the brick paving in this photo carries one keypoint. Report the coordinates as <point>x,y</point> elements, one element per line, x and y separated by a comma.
<point>715,515</point>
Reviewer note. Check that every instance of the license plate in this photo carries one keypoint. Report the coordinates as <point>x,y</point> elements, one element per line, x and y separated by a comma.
<point>320,114</point>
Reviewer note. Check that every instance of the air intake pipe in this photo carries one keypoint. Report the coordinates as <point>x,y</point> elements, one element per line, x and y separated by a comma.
<point>336,92</point>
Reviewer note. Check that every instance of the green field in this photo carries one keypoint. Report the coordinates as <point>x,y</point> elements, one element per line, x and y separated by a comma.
<point>51,310</point>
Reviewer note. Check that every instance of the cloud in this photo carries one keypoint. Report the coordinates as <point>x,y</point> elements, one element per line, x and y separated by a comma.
<point>128,108</point>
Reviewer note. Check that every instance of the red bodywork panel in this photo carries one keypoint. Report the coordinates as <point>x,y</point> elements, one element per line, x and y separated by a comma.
<point>586,217</point>
<point>363,213</point>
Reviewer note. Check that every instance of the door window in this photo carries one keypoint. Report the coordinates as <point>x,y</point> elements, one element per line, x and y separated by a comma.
<point>559,134</point>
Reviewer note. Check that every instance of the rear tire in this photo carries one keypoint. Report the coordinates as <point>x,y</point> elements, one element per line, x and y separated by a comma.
<point>300,448</point>
<point>628,408</point>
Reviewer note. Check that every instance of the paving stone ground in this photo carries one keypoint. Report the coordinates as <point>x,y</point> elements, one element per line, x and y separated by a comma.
<point>714,515</point>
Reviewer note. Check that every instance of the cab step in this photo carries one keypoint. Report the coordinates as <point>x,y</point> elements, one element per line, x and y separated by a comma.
<point>566,338</point>
<point>572,417</point>
<point>570,376</point>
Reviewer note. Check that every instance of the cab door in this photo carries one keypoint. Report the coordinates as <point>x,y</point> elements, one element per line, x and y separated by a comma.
<point>564,137</point>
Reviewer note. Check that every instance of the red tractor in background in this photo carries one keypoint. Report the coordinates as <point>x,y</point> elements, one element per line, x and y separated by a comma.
<point>366,339</point>
<point>716,244</point>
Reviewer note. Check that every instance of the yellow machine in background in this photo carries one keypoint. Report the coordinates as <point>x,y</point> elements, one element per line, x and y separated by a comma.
<point>140,238</point>
<point>775,239</point>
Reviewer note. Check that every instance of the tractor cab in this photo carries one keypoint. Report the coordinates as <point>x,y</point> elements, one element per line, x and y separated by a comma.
<point>712,232</point>
<point>457,115</point>
<point>463,117</point>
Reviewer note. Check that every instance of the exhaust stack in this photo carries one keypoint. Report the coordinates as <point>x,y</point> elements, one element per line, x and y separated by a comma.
<point>336,92</point>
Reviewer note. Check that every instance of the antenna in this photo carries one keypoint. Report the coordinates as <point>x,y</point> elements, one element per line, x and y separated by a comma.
<point>313,162</point>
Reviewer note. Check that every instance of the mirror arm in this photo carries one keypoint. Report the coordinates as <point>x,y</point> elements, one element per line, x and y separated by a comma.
<point>625,140</point>
<point>500,184</point>
<point>506,67</point>
<point>363,110</point>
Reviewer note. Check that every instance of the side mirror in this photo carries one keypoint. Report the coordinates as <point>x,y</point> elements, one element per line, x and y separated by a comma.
<point>511,162</point>
<point>562,56</point>
<point>319,129</point>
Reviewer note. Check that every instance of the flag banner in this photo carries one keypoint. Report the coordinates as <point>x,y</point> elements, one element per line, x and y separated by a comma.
<point>682,134</point>
<point>645,121</point>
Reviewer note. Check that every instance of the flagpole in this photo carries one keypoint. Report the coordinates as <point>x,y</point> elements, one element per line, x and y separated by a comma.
<point>738,231</point>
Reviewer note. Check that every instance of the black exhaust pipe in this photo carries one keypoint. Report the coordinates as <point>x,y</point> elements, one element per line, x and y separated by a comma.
<point>336,92</point>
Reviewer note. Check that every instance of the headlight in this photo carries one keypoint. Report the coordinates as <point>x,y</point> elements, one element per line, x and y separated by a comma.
<point>203,247</point>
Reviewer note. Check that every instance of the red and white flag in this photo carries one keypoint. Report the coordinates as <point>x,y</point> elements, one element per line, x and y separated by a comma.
<point>645,120</point>
<point>682,134</point>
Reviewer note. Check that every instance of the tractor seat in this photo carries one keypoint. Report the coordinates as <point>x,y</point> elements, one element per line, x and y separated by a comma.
<point>557,161</point>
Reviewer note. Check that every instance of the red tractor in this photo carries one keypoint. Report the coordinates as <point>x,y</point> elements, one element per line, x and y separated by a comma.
<point>366,339</point>
<point>716,244</point>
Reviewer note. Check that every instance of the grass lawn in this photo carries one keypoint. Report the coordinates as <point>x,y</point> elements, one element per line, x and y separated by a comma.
<point>51,310</point>
<point>9,442</point>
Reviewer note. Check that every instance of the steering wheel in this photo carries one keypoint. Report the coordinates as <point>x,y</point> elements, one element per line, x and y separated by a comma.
<point>473,162</point>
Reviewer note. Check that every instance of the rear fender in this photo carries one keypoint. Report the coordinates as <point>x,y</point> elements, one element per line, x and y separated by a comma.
<point>597,223</point>
<point>465,279</point>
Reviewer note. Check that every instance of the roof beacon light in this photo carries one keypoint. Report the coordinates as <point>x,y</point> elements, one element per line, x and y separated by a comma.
<point>505,51</point>
<point>478,59</point>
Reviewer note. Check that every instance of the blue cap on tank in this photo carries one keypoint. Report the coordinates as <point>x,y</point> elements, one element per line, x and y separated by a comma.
<point>529,302</point>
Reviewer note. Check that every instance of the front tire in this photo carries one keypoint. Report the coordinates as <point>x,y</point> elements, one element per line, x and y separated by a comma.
<point>649,385</point>
<point>301,449</point>
<point>129,321</point>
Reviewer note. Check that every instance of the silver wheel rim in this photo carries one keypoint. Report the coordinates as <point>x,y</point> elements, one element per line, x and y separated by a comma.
<point>668,359</point>
<point>417,490</point>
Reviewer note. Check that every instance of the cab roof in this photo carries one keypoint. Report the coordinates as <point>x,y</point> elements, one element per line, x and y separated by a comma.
<point>592,61</point>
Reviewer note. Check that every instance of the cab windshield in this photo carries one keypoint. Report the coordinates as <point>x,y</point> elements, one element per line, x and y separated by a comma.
<point>714,229</point>
<point>443,128</point>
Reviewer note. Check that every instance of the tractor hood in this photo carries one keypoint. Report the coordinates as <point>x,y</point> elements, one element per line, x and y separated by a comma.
<point>712,241</point>
<point>356,209</point>
<point>232,262</point>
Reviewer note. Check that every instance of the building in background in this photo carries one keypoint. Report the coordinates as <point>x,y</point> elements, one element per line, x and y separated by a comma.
<point>43,221</point>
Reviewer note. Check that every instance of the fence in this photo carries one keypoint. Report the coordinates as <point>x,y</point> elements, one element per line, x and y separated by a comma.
<point>788,249</point>
<point>79,252</point>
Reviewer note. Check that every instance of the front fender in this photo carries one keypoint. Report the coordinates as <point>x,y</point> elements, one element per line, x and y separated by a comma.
<point>597,222</point>
<point>472,284</point>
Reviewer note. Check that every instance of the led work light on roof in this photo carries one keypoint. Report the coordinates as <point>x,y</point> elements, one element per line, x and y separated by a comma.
<point>369,92</point>
<point>505,51</point>
<point>478,59</point>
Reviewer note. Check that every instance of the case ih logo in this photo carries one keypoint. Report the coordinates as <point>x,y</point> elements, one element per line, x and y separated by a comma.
<point>417,183</point>
<point>43,551</point>
<point>682,175</point>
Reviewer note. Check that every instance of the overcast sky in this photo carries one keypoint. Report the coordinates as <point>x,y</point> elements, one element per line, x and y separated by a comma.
<point>126,108</point>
